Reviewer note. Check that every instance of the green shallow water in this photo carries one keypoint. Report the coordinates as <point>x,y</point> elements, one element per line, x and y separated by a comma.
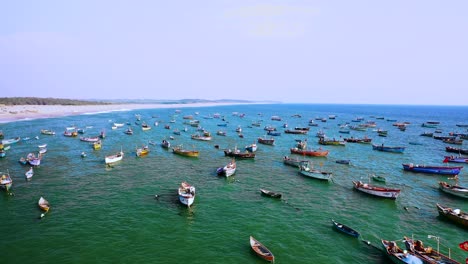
<point>110,215</point>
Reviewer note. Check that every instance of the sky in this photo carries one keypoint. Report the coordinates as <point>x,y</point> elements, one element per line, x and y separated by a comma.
<point>356,52</point>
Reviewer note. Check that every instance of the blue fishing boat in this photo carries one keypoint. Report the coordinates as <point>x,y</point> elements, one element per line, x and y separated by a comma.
<point>443,170</point>
<point>388,149</point>
<point>345,229</point>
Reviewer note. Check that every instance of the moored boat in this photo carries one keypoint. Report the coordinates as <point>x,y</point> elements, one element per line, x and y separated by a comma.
<point>6,181</point>
<point>11,141</point>
<point>33,160</point>
<point>184,152</point>
<point>228,170</point>
<point>399,256</point>
<point>261,250</point>
<point>270,193</point>
<point>97,145</point>
<point>90,139</point>
<point>251,148</point>
<point>345,229</point>
<point>143,151</point>
<point>29,173</point>
<point>333,142</point>
<point>114,158</point>
<point>43,204</point>
<point>454,215</point>
<point>427,254</point>
<point>388,149</point>
<point>454,189</point>
<point>165,144</point>
<point>310,172</point>
<point>186,194</point>
<point>456,150</point>
<point>266,141</point>
<point>442,170</point>
<point>455,159</point>
<point>390,193</point>
<point>313,153</point>
<point>295,162</point>
<point>47,132</point>
<point>238,154</point>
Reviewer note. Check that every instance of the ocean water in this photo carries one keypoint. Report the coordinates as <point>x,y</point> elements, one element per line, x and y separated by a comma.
<point>105,214</point>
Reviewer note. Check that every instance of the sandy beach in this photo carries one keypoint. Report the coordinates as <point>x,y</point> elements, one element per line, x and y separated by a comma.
<point>11,113</point>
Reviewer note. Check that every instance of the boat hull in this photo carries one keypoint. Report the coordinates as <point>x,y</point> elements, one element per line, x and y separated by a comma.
<point>432,169</point>
<point>454,190</point>
<point>376,191</point>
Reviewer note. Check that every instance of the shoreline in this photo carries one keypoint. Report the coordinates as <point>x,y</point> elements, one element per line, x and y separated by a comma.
<point>14,113</point>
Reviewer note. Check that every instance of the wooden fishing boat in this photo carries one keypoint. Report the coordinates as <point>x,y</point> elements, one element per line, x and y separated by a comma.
<point>119,124</point>
<point>97,145</point>
<point>390,193</point>
<point>251,148</point>
<point>128,131</point>
<point>186,194</point>
<point>143,151</point>
<point>184,152</point>
<point>270,193</point>
<point>70,133</point>
<point>427,254</point>
<point>388,149</point>
<point>6,181</point>
<point>145,126</point>
<point>293,131</point>
<point>165,144</point>
<point>345,229</point>
<point>456,150</point>
<point>47,132</point>
<point>266,141</point>
<point>333,142</point>
<point>261,250</point>
<point>453,141</point>
<point>455,159</point>
<point>313,153</point>
<point>43,204</point>
<point>454,215</point>
<point>201,137</point>
<point>23,161</point>
<point>114,158</point>
<point>358,140</point>
<point>307,171</point>
<point>33,160</point>
<point>454,189</point>
<point>11,141</point>
<point>89,139</point>
<point>274,133</point>
<point>442,170</point>
<point>228,170</point>
<point>295,162</point>
<point>236,153</point>
<point>399,256</point>
<point>346,162</point>
<point>29,173</point>
<point>379,178</point>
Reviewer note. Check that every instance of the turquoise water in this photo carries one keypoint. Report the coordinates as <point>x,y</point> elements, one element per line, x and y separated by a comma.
<point>110,215</point>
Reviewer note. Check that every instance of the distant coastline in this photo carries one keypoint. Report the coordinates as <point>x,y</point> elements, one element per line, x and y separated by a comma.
<point>12,113</point>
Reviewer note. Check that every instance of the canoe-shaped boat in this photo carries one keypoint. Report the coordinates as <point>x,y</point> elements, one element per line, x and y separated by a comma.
<point>33,160</point>
<point>313,153</point>
<point>186,194</point>
<point>266,141</point>
<point>228,170</point>
<point>397,255</point>
<point>379,178</point>
<point>29,173</point>
<point>313,173</point>
<point>11,141</point>
<point>295,162</point>
<point>346,162</point>
<point>261,250</point>
<point>454,189</point>
<point>345,229</point>
<point>332,142</point>
<point>184,152</point>
<point>390,193</point>
<point>388,149</point>
<point>454,215</point>
<point>294,131</point>
<point>114,158</point>
<point>238,154</point>
<point>90,139</point>
<point>270,193</point>
<point>47,132</point>
<point>455,159</point>
<point>456,150</point>
<point>442,170</point>
<point>201,137</point>
<point>427,254</point>
<point>358,140</point>
<point>43,204</point>
<point>165,144</point>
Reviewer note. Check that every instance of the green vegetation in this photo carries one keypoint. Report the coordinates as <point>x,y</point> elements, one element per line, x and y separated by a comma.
<point>45,101</point>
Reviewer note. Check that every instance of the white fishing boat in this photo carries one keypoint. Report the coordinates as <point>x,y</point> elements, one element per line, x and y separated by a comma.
<point>227,170</point>
<point>33,160</point>
<point>186,193</point>
<point>114,158</point>
<point>306,170</point>
<point>119,124</point>
<point>390,193</point>
<point>43,204</point>
<point>454,189</point>
<point>5,181</point>
<point>29,173</point>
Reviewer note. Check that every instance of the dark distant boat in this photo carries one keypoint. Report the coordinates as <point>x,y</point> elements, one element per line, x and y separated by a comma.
<point>443,170</point>
<point>456,150</point>
<point>454,215</point>
<point>261,250</point>
<point>295,162</point>
<point>388,149</point>
<point>455,159</point>
<point>266,141</point>
<point>314,153</point>
<point>238,154</point>
<point>270,193</point>
<point>294,131</point>
<point>346,162</point>
<point>345,229</point>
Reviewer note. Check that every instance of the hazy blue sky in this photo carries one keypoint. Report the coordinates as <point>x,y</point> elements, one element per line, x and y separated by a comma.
<point>392,52</point>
